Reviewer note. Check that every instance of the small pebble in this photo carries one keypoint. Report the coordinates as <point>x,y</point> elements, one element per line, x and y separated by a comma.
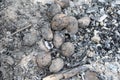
<point>90,53</point>
<point>67,49</point>
<point>43,59</point>
<point>84,22</point>
<point>96,37</point>
<point>56,65</point>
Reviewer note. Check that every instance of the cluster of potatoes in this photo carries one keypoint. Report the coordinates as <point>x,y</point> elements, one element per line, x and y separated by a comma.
<point>52,32</point>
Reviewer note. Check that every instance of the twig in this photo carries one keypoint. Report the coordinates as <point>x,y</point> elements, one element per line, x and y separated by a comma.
<point>21,29</point>
<point>66,74</point>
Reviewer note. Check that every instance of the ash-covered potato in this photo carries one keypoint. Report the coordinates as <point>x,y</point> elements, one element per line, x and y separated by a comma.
<point>84,22</point>
<point>56,65</point>
<point>10,13</point>
<point>62,21</point>
<point>73,25</point>
<point>67,49</point>
<point>90,75</point>
<point>63,3</point>
<point>43,59</point>
<point>58,39</point>
<point>46,31</point>
<point>53,10</point>
<point>30,38</point>
<point>59,22</point>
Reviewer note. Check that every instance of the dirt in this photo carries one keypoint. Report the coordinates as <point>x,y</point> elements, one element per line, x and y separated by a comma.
<point>27,30</point>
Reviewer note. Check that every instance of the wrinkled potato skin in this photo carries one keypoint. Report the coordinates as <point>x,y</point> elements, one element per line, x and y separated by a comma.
<point>58,40</point>
<point>59,22</point>
<point>56,65</point>
<point>73,25</point>
<point>67,49</point>
<point>43,59</point>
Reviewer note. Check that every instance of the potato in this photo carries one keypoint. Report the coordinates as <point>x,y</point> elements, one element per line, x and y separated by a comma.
<point>43,59</point>
<point>58,39</point>
<point>73,25</point>
<point>56,65</point>
<point>67,49</point>
<point>62,21</point>
<point>90,75</point>
<point>53,10</point>
<point>63,3</point>
<point>30,39</point>
<point>84,22</point>
<point>59,22</point>
<point>47,33</point>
